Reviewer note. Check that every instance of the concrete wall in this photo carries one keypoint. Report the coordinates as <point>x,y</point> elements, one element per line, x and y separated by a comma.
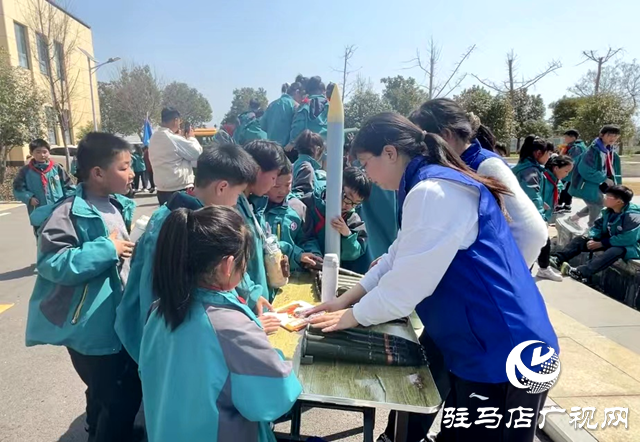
<point>20,11</point>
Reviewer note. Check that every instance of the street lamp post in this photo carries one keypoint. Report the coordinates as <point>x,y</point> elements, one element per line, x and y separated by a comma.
<point>92,69</point>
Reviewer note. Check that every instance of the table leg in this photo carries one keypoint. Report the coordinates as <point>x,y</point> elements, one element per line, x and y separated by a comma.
<point>369,424</point>
<point>402,426</point>
<point>296,419</point>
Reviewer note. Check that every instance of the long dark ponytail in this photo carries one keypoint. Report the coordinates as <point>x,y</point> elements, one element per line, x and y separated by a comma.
<point>390,128</point>
<point>191,244</point>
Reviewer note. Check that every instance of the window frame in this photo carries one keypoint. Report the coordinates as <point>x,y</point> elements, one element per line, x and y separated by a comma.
<point>23,31</point>
<point>43,45</point>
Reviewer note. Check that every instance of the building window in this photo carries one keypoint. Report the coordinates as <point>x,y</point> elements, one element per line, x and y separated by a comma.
<point>21,42</point>
<point>43,54</point>
<point>52,123</point>
<point>59,53</point>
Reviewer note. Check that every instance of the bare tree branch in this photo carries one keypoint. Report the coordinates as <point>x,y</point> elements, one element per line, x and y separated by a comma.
<point>348,54</point>
<point>455,71</point>
<point>460,80</point>
<point>489,84</point>
<point>553,66</point>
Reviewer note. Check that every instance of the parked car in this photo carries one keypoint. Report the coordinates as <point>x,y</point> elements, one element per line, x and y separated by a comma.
<point>58,155</point>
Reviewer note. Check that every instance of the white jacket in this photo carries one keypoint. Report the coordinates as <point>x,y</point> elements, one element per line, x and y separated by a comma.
<point>171,156</point>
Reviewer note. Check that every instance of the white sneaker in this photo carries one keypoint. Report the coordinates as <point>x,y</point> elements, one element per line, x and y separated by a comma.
<point>549,273</point>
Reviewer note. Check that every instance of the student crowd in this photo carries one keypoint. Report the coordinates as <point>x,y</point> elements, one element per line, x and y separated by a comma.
<point>177,320</point>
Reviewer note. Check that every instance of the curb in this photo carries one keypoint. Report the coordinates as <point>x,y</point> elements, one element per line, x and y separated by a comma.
<point>558,428</point>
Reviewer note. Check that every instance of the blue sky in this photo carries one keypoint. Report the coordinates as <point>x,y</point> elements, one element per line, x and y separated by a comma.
<point>218,46</point>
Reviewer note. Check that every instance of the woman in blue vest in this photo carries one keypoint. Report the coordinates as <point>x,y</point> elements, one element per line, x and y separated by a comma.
<point>456,263</point>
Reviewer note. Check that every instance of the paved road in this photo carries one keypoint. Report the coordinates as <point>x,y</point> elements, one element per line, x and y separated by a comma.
<point>41,396</point>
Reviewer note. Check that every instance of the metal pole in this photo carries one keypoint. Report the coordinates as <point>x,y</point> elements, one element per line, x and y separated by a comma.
<point>335,152</point>
<point>93,104</point>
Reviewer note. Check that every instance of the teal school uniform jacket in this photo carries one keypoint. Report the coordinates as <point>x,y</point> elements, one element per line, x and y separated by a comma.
<point>574,150</point>
<point>48,183</point>
<point>531,178</point>
<point>78,286</point>
<point>215,377</point>
<point>550,191</point>
<point>254,284</point>
<point>248,129</point>
<point>590,171</point>
<point>277,119</point>
<point>353,246</point>
<point>286,222</point>
<point>133,310</point>
<point>308,175</point>
<point>619,230</point>
<point>137,163</point>
<point>311,115</point>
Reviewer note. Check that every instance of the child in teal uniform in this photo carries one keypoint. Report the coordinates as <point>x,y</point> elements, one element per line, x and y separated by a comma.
<point>248,127</point>
<point>596,170</point>
<point>356,188</point>
<point>277,119</point>
<point>207,368</point>
<point>308,175</point>
<point>139,168</point>
<point>312,113</point>
<point>41,182</point>
<point>83,266</point>
<point>285,215</point>
<point>616,233</point>
<point>530,171</point>
<point>574,147</point>
<point>223,173</point>
<point>252,205</point>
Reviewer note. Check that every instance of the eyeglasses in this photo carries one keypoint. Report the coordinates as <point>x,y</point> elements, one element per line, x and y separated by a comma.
<point>349,202</point>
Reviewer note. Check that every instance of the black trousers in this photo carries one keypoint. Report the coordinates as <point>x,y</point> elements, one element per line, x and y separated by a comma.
<point>150,178</point>
<point>137,178</point>
<point>513,426</point>
<point>113,394</point>
<point>598,263</point>
<point>419,424</point>
<point>565,199</point>
<point>545,254</point>
<point>163,197</point>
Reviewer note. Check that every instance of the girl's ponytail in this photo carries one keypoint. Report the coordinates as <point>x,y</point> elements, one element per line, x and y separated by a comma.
<point>173,277</point>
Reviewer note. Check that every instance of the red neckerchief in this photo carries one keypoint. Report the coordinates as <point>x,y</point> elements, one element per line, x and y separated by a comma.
<point>549,178</point>
<point>43,173</point>
<point>321,222</point>
<point>609,163</point>
<point>218,289</point>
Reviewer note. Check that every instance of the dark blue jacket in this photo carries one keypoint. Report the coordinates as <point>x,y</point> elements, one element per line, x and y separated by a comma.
<point>487,302</point>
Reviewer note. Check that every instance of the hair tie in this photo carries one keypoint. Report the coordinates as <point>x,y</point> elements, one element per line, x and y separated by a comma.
<point>474,120</point>
<point>424,135</point>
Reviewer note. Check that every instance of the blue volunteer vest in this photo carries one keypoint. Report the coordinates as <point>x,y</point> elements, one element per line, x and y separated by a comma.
<point>487,302</point>
<point>475,154</point>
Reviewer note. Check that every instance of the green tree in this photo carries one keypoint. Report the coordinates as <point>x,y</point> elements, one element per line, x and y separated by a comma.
<point>241,98</point>
<point>84,130</point>
<point>21,110</point>
<point>528,113</point>
<point>564,111</point>
<point>494,111</point>
<point>596,111</point>
<point>404,95</point>
<point>191,104</point>
<point>364,103</point>
<point>129,99</point>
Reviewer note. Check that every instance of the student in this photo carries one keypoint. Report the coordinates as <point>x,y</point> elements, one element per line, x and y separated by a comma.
<point>252,204</point>
<point>530,172</point>
<point>248,127</point>
<point>616,233</point>
<point>277,119</point>
<point>208,371</point>
<point>356,188</point>
<point>475,317</point>
<point>308,175</point>
<point>41,182</point>
<point>139,169</point>
<point>147,165</point>
<point>557,168</point>
<point>312,114</point>
<point>284,215</point>
<point>574,147</point>
<point>83,266</point>
<point>446,118</point>
<point>223,173</point>
<point>596,170</point>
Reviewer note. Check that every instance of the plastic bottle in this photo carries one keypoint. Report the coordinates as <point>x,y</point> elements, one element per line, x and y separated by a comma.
<point>330,268</point>
<point>272,263</point>
<point>138,229</point>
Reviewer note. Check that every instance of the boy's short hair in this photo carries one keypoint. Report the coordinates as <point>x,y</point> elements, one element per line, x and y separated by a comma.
<point>610,129</point>
<point>227,162</point>
<point>37,143</point>
<point>572,133</point>
<point>98,149</point>
<point>286,168</point>
<point>357,180</point>
<point>268,154</point>
<point>621,192</point>
<point>169,114</point>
